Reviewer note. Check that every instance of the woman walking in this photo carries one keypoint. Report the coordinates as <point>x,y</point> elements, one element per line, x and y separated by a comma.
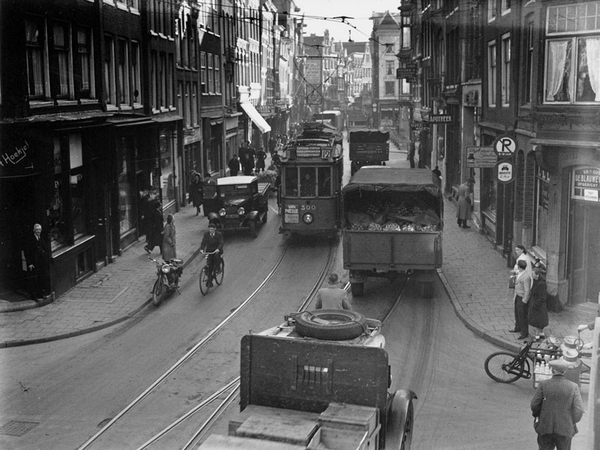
<point>169,251</point>
<point>196,192</point>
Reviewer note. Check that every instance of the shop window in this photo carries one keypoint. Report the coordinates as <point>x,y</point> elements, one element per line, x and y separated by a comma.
<point>542,189</point>
<point>126,220</point>
<point>167,179</point>
<point>78,206</point>
<point>572,73</point>
<point>56,211</point>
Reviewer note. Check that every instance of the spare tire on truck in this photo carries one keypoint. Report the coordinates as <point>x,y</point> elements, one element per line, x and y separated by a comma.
<point>330,324</point>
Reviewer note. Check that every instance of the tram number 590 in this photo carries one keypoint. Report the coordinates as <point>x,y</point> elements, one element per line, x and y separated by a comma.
<point>308,207</point>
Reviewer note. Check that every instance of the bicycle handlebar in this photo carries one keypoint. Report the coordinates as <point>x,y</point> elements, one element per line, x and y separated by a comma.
<point>208,253</point>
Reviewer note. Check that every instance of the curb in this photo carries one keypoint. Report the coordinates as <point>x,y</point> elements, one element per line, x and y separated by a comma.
<point>82,331</point>
<point>470,324</point>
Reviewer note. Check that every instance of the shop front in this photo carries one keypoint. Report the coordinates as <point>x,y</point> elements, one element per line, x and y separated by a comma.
<point>573,202</point>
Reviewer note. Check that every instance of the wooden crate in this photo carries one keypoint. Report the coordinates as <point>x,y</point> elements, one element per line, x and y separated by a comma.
<point>282,427</point>
<point>216,442</point>
<point>339,439</point>
<point>349,417</point>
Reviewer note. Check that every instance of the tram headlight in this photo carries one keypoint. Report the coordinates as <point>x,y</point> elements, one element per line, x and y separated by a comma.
<point>308,218</point>
<point>222,212</point>
<point>241,211</point>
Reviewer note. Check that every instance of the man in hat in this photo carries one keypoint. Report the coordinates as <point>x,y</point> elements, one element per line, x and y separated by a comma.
<point>212,241</point>
<point>332,296</point>
<point>557,407</point>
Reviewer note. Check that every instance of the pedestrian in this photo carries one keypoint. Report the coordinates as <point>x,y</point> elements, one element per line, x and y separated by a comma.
<point>212,241</point>
<point>538,311</point>
<point>156,227</point>
<point>332,296</point>
<point>169,251</point>
<point>260,160</point>
<point>437,172</point>
<point>521,297</point>
<point>522,255</point>
<point>465,203</point>
<point>37,256</point>
<point>557,407</point>
<point>234,166</point>
<point>248,161</point>
<point>196,192</point>
<point>272,145</point>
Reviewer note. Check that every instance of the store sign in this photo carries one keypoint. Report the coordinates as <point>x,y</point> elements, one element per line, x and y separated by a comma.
<point>504,172</point>
<point>440,118</point>
<point>308,152</point>
<point>586,184</point>
<point>291,214</point>
<point>15,155</point>
<point>481,157</point>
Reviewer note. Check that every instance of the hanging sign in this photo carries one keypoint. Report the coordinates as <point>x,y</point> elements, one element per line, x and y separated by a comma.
<point>481,157</point>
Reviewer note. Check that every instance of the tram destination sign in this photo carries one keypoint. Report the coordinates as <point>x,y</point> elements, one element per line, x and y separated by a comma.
<point>308,152</point>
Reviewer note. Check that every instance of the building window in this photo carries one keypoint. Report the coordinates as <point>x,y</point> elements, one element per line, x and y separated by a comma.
<point>528,78</point>
<point>167,180</point>
<point>37,79</point>
<point>203,73</point>
<point>122,73</point>
<point>506,6</point>
<point>78,204</point>
<point>194,103</point>
<point>57,217</point>
<point>136,74</point>
<point>541,207</point>
<point>60,61</point>
<point>390,88</point>
<point>211,75</point>
<point>126,218</point>
<point>188,104</point>
<point>83,64</point>
<point>506,70</point>
<point>492,9</point>
<point>154,80</point>
<point>109,78</point>
<point>389,67</point>
<point>492,74</point>
<point>572,73</point>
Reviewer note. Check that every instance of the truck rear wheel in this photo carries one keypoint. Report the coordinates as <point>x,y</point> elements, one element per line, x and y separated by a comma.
<point>358,289</point>
<point>331,324</point>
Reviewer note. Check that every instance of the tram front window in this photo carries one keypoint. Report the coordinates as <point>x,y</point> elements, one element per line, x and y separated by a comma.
<point>324,181</point>
<point>291,182</point>
<point>308,182</point>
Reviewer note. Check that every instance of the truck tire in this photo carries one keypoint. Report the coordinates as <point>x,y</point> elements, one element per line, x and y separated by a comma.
<point>358,289</point>
<point>331,324</point>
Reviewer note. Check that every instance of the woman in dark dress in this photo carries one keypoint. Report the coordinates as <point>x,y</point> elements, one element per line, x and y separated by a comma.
<point>538,311</point>
<point>195,192</point>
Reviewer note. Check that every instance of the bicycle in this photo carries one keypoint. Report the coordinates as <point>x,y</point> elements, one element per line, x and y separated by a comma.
<point>204,278</point>
<point>507,367</point>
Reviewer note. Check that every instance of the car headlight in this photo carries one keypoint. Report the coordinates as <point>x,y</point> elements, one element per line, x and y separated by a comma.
<point>241,211</point>
<point>222,212</point>
<point>308,218</point>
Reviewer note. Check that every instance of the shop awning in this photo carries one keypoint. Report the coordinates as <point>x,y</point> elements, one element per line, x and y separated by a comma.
<point>255,116</point>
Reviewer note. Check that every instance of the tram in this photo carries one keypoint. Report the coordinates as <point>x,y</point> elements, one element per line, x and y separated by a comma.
<point>309,197</point>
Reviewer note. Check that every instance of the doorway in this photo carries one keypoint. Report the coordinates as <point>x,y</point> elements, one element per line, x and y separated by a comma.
<point>584,254</point>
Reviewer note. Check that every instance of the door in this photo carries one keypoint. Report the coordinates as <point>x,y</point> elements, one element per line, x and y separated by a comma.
<point>102,213</point>
<point>584,253</point>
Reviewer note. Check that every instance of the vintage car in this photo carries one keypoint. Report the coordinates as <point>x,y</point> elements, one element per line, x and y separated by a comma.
<point>239,202</point>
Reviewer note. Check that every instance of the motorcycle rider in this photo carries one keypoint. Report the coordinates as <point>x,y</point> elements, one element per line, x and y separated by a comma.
<point>212,241</point>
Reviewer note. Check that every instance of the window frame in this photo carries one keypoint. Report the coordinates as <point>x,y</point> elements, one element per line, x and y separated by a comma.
<point>506,70</point>
<point>492,74</point>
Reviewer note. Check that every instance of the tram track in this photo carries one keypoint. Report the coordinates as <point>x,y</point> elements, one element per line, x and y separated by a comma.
<point>230,387</point>
<point>198,434</point>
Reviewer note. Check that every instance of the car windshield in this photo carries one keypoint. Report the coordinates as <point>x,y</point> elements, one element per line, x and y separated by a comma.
<point>235,190</point>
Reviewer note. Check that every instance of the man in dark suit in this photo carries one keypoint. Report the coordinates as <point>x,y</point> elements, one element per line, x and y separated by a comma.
<point>557,407</point>
<point>36,254</point>
<point>212,241</point>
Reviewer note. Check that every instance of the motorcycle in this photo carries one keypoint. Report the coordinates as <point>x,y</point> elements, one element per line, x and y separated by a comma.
<point>168,274</point>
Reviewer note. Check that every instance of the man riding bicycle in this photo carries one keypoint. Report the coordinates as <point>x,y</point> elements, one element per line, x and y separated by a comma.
<point>212,241</point>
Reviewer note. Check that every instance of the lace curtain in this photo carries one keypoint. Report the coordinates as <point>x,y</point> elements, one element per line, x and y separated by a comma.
<point>557,58</point>
<point>593,60</point>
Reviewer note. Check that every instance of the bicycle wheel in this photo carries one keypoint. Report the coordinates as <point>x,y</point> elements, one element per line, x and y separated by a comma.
<point>203,280</point>
<point>505,367</point>
<point>220,272</point>
<point>158,291</point>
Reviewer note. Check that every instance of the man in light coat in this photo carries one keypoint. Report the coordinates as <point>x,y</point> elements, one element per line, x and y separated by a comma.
<point>557,407</point>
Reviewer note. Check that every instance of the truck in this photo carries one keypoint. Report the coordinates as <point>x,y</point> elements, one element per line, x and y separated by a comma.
<point>239,202</point>
<point>368,148</point>
<point>320,380</point>
<point>393,222</point>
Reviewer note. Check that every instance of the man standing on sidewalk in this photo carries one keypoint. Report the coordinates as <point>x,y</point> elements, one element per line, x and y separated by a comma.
<point>557,407</point>
<point>37,256</point>
<point>522,291</point>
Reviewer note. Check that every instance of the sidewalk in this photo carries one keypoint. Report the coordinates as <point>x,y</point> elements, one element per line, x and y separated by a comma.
<point>113,294</point>
<point>474,275</point>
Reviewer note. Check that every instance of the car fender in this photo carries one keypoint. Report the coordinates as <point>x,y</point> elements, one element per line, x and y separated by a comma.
<point>252,215</point>
<point>400,419</point>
